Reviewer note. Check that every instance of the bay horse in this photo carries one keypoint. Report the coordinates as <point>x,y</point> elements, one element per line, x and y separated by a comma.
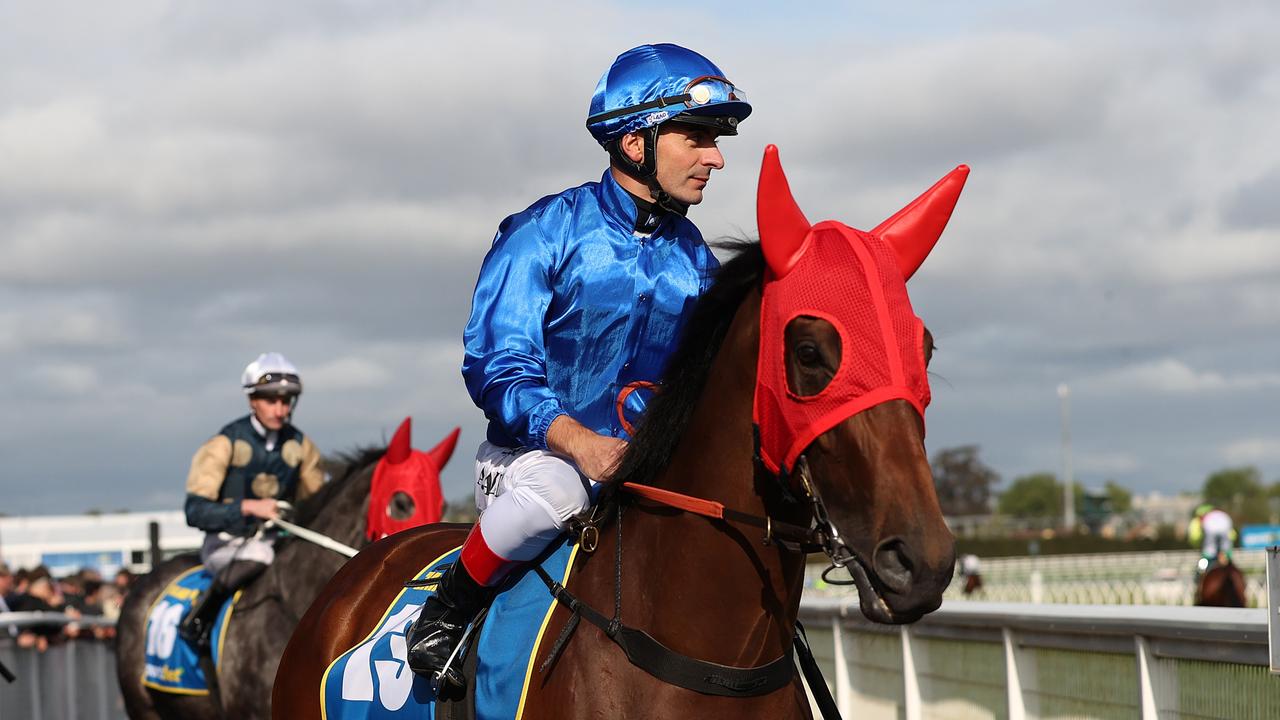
<point>268,609</point>
<point>1222,585</point>
<point>720,590</point>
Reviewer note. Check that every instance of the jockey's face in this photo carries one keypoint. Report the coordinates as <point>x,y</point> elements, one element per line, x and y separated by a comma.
<point>686,156</point>
<point>271,410</point>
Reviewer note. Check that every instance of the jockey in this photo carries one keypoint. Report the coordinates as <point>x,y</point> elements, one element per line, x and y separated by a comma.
<point>582,295</point>
<point>236,479</point>
<point>1213,529</point>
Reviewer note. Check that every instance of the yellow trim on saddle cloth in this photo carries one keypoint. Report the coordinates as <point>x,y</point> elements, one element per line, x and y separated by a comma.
<point>528,673</point>
<point>324,679</point>
<point>146,618</point>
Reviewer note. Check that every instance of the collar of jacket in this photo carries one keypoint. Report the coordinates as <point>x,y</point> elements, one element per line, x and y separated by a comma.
<point>618,205</point>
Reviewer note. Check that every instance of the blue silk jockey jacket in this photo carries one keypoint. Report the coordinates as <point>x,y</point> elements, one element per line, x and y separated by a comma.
<point>572,305</point>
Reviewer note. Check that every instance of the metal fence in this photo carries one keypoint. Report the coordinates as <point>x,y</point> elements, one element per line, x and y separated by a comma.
<point>1003,660</point>
<point>1146,578</point>
<point>72,680</point>
<point>967,660</point>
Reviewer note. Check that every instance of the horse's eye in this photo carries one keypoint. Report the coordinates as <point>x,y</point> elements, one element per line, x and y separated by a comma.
<point>808,354</point>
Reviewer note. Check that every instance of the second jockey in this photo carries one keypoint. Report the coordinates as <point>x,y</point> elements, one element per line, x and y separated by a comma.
<point>236,479</point>
<point>1211,528</point>
<point>583,294</point>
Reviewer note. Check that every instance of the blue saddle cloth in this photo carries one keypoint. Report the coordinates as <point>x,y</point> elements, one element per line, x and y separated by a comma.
<point>172,664</point>
<point>372,681</point>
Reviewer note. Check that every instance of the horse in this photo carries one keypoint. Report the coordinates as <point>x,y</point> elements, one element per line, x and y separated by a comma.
<point>724,589</point>
<point>268,609</point>
<point>1222,585</point>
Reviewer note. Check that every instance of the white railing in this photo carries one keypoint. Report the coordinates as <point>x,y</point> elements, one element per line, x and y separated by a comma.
<point>1006,660</point>
<point>1146,578</point>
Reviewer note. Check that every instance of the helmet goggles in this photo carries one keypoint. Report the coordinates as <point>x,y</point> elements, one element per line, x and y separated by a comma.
<point>700,94</point>
<point>275,384</point>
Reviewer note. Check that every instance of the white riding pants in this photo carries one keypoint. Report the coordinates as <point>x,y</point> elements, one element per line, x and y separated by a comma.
<point>220,549</point>
<point>526,497</point>
<point>1217,528</point>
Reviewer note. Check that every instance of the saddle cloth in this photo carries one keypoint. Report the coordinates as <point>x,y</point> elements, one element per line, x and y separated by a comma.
<point>372,681</point>
<point>172,663</point>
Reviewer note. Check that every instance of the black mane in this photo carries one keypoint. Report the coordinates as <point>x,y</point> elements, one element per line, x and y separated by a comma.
<point>340,468</point>
<point>668,414</point>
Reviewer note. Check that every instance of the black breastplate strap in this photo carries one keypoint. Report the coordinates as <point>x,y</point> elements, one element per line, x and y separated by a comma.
<point>670,666</point>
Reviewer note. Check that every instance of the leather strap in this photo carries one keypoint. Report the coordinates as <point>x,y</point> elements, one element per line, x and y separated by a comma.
<point>672,667</point>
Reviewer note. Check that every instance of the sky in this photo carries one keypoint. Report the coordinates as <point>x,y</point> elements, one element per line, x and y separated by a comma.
<point>186,185</point>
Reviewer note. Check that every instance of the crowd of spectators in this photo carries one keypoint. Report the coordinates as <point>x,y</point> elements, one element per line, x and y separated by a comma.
<point>84,594</point>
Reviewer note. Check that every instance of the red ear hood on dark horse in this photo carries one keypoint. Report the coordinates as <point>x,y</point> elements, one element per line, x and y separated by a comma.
<point>854,280</point>
<point>413,473</point>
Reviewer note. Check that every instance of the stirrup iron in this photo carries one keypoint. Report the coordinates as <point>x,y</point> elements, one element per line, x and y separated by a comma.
<point>448,683</point>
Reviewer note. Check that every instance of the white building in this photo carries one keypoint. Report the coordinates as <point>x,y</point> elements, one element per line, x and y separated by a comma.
<point>108,542</point>
<point>1158,509</point>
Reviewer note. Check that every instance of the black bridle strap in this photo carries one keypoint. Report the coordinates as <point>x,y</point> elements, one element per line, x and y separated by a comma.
<point>672,667</point>
<point>813,676</point>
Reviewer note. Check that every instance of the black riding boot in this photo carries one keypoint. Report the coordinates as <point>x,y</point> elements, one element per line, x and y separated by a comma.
<point>197,626</point>
<point>445,616</point>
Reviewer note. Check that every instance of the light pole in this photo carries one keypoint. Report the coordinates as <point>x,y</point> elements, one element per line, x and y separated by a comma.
<point>1068,496</point>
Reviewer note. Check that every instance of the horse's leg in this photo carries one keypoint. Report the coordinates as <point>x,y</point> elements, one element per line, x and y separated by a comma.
<point>257,635</point>
<point>346,610</point>
<point>131,644</point>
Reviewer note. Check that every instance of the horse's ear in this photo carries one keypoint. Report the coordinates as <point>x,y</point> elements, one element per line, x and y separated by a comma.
<point>915,229</point>
<point>401,444</point>
<point>441,453</point>
<point>782,226</point>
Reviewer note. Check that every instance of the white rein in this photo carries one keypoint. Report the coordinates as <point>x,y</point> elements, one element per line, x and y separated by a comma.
<point>311,536</point>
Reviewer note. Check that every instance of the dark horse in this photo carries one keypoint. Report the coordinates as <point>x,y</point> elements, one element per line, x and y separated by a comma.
<point>1222,585</point>
<point>268,610</point>
<point>709,589</point>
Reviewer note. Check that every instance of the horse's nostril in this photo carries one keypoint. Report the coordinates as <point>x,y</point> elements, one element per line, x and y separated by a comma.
<point>893,565</point>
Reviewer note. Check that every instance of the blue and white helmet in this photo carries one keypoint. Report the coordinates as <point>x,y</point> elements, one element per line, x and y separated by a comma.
<point>271,374</point>
<point>652,84</point>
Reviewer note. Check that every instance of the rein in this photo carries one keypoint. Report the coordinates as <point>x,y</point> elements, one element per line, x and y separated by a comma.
<point>657,659</point>
<point>702,676</point>
<point>312,536</point>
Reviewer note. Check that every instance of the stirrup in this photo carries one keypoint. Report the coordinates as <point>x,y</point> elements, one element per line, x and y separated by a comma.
<point>448,683</point>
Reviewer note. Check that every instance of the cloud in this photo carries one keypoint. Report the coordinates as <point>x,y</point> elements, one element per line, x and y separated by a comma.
<point>186,186</point>
<point>1252,451</point>
<point>349,373</point>
<point>64,379</point>
<point>1170,375</point>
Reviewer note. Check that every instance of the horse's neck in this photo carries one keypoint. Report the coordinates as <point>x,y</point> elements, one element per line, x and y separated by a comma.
<point>301,567</point>
<point>702,574</point>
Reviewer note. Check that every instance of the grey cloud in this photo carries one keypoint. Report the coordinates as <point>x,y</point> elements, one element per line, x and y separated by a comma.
<point>187,186</point>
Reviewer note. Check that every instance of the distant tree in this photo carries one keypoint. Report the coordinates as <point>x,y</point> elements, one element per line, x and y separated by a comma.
<point>1033,496</point>
<point>963,482</point>
<point>461,510</point>
<point>1240,492</point>
<point>1120,498</point>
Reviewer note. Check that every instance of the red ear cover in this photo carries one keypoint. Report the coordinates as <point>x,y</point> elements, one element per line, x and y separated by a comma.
<point>915,229</point>
<point>783,227</point>
<point>441,453</point>
<point>401,444</point>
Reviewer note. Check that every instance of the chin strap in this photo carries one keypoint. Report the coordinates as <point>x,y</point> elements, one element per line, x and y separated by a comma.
<point>646,171</point>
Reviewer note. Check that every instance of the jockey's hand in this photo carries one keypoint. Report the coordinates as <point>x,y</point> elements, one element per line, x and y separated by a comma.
<point>264,508</point>
<point>596,455</point>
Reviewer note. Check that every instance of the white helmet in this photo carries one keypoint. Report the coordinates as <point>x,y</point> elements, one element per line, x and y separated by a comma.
<point>271,374</point>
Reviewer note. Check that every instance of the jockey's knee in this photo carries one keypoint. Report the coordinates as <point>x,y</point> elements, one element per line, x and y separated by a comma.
<point>558,486</point>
